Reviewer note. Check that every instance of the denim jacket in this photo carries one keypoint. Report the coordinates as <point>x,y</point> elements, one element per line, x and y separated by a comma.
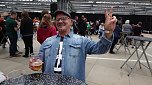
<point>74,52</point>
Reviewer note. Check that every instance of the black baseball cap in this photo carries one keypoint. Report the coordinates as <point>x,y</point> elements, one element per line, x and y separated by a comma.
<point>62,12</point>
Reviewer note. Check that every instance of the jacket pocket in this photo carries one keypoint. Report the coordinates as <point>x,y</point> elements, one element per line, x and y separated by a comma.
<point>74,49</point>
<point>47,50</point>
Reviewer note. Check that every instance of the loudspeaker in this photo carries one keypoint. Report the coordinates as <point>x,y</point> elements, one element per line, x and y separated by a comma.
<point>53,7</point>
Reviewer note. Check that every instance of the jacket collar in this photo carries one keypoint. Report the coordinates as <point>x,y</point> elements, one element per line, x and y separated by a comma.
<point>68,35</point>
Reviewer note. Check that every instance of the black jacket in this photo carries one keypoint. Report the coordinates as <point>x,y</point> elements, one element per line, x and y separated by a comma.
<point>26,27</point>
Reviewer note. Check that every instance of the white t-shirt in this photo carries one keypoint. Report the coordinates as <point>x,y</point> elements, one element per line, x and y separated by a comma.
<point>101,27</point>
<point>58,63</point>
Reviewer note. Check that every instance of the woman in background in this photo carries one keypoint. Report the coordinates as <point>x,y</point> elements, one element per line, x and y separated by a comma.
<point>46,28</point>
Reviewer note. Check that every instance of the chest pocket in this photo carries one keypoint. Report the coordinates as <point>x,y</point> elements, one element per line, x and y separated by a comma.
<point>74,49</point>
<point>47,51</point>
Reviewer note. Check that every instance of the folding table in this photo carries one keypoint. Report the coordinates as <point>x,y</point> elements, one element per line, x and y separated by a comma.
<point>141,40</point>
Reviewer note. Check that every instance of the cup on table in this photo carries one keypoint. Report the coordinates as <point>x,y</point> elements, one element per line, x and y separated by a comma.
<point>35,63</point>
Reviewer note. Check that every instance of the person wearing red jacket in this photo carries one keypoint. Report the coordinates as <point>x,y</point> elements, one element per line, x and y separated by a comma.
<point>3,39</point>
<point>46,28</point>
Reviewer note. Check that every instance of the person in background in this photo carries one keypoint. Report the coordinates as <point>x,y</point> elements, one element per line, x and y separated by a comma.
<point>82,26</point>
<point>127,27</point>
<point>75,25</point>
<point>97,24</point>
<point>88,29</point>
<point>26,30</point>
<point>18,25</point>
<point>117,36</point>
<point>11,32</point>
<point>66,52</point>
<point>137,29</point>
<point>101,29</point>
<point>46,28</point>
<point>36,23</point>
<point>7,16</point>
<point>120,22</point>
<point>3,39</point>
<point>92,28</point>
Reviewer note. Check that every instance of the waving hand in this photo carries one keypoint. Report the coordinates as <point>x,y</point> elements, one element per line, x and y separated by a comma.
<point>110,23</point>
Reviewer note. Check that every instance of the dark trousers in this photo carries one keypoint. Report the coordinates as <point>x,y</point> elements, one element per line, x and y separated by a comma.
<point>115,41</point>
<point>2,37</point>
<point>92,31</point>
<point>13,44</point>
<point>82,33</point>
<point>28,41</point>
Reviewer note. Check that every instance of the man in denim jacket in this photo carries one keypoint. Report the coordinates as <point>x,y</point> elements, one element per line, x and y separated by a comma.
<point>66,52</point>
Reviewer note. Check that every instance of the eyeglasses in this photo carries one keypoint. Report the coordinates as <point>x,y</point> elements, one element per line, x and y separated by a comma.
<point>62,18</point>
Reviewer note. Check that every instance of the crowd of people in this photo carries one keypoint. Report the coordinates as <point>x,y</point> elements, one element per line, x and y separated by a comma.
<point>45,27</point>
<point>67,35</point>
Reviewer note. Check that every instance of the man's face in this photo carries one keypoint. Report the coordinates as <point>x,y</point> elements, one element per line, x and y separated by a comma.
<point>76,18</point>
<point>14,16</point>
<point>63,23</point>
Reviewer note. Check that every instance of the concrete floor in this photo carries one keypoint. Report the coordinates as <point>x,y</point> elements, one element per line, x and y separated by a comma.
<point>100,69</point>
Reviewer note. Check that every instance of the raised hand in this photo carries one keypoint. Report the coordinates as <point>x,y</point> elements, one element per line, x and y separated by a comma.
<point>110,23</point>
